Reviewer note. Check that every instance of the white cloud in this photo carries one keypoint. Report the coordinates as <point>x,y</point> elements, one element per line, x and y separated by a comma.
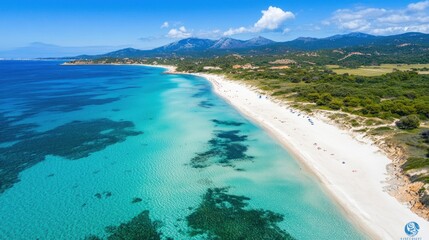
<point>418,6</point>
<point>395,18</point>
<point>181,32</point>
<point>356,19</point>
<point>413,17</point>
<point>214,33</point>
<point>165,25</point>
<point>393,30</point>
<point>286,30</point>
<point>233,31</point>
<point>272,19</point>
<point>356,25</point>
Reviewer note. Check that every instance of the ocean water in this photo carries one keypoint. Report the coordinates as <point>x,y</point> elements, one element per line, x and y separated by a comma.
<point>83,148</point>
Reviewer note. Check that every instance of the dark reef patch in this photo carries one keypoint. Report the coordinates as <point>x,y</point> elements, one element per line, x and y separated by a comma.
<point>206,104</point>
<point>105,194</point>
<point>10,131</point>
<point>226,147</point>
<point>63,104</point>
<point>72,141</point>
<point>227,123</point>
<point>141,227</point>
<point>224,216</point>
<point>136,200</point>
<point>201,92</point>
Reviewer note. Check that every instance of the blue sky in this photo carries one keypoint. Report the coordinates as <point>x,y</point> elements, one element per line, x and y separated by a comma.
<point>107,24</point>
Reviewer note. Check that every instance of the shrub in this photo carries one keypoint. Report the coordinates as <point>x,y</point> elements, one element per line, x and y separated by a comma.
<point>408,122</point>
<point>324,99</point>
<point>335,104</point>
<point>425,136</point>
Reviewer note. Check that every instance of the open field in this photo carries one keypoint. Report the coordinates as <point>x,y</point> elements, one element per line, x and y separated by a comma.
<point>378,70</point>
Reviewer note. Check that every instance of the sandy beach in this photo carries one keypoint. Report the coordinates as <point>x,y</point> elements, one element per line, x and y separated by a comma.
<point>353,172</point>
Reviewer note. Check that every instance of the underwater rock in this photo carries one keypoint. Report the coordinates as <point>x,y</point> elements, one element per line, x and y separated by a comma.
<point>225,148</point>
<point>136,200</point>
<point>224,216</point>
<point>74,140</point>
<point>206,104</point>
<point>138,228</point>
<point>227,123</point>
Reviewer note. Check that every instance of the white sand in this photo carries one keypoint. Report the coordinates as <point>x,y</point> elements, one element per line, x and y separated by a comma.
<point>356,185</point>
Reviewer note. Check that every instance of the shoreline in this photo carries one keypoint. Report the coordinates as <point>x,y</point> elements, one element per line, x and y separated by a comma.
<point>351,172</point>
<point>353,177</point>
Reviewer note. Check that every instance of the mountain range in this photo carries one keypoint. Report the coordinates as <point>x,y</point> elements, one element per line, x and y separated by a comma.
<point>208,47</point>
<point>189,46</point>
<point>261,45</point>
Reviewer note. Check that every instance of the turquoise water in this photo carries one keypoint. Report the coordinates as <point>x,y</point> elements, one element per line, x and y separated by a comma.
<point>87,147</point>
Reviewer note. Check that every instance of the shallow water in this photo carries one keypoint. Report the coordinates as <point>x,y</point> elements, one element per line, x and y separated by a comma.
<point>87,147</point>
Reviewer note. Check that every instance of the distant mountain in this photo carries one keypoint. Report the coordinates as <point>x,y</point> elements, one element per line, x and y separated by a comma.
<point>258,41</point>
<point>260,45</point>
<point>188,44</point>
<point>356,35</point>
<point>122,53</point>
<point>336,41</point>
<point>228,43</point>
<point>354,39</point>
<point>38,50</point>
<point>197,44</point>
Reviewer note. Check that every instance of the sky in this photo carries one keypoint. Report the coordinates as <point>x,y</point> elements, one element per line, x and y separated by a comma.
<point>103,25</point>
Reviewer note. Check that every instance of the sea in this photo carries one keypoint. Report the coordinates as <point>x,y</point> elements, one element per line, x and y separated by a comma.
<point>131,152</point>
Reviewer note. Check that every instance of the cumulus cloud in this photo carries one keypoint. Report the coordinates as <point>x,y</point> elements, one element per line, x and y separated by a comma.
<point>165,25</point>
<point>418,6</point>
<point>179,33</point>
<point>233,31</point>
<point>393,30</point>
<point>272,19</point>
<point>413,17</point>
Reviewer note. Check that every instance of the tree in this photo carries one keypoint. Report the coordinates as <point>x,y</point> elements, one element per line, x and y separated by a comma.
<point>408,122</point>
<point>324,99</point>
<point>425,136</point>
<point>351,101</point>
<point>336,104</point>
<point>373,108</point>
<point>422,108</point>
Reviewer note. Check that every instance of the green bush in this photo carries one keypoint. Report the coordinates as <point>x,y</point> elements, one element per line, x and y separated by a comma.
<point>415,163</point>
<point>408,122</point>
<point>335,104</point>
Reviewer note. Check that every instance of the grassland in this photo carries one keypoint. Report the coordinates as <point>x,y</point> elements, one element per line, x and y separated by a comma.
<point>379,70</point>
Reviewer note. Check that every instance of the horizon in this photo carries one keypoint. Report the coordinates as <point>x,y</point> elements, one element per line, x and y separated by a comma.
<point>101,26</point>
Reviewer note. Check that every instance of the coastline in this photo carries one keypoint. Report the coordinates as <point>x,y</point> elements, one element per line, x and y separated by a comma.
<point>353,173</point>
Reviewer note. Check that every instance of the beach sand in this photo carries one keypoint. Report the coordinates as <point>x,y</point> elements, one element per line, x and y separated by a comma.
<point>353,172</point>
